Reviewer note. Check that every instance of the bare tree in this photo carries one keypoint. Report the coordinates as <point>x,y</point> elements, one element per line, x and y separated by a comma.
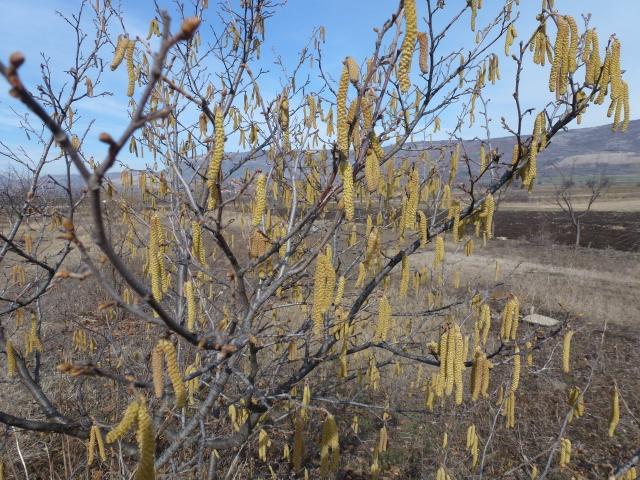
<point>576,200</point>
<point>247,302</point>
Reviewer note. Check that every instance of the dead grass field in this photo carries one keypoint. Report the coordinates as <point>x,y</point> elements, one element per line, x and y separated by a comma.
<point>595,289</point>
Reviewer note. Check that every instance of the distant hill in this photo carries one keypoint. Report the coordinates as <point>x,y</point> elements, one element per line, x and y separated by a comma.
<point>586,151</point>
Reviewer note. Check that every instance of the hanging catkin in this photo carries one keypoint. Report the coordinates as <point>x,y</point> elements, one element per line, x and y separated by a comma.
<point>406,52</point>
<point>173,371</point>
<point>121,47</point>
<point>95,437</point>
<point>347,192</point>
<point>565,452</point>
<point>192,309</point>
<point>614,417</point>
<point>157,371</point>
<point>329,446</point>
<point>404,277</point>
<point>130,67</point>
<point>341,107</point>
<point>384,319</point>
<point>213,170</point>
<point>11,359</point>
<point>260,201</point>
<point>566,351</point>
<point>515,378</point>
<point>126,423</point>
<point>423,42</point>
<point>146,445</point>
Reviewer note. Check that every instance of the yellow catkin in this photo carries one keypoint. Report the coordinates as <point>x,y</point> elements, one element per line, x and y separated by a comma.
<point>406,52</point>
<point>439,250</point>
<point>341,107</point>
<point>509,37</point>
<point>347,192</point>
<point>213,170</point>
<point>468,247</point>
<point>529,346</point>
<point>424,228</point>
<point>146,445</point>
<point>284,121</point>
<point>566,351</point>
<point>404,277</point>
<point>130,68</point>
<point>477,371</point>
<point>488,209</point>
<point>339,291</point>
<point>192,310</point>
<point>565,452</point>
<point>95,438</point>
<point>173,372</point>
<point>384,319</point>
<point>423,42</point>
<point>263,444</point>
<point>11,359</point>
<point>354,70</point>
<point>329,446</point>
<point>121,48</point>
<point>126,423</point>
<point>154,257</point>
<point>561,62</point>
<point>91,446</point>
<point>614,417</point>
<point>157,371</point>
<point>260,201</point>
<point>372,171</point>
<point>515,378</point>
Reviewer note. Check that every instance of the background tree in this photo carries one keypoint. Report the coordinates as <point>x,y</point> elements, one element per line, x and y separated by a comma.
<point>576,201</point>
<point>247,310</point>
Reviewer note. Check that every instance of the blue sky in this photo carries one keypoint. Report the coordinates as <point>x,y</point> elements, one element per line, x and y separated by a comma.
<point>349,31</point>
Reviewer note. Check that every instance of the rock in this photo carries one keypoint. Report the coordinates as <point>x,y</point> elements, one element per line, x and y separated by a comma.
<point>541,320</point>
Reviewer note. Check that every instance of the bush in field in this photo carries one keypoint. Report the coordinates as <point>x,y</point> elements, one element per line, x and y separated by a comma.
<point>257,310</point>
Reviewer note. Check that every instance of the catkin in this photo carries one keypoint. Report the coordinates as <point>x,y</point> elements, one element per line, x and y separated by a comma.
<point>213,170</point>
<point>561,61</point>
<point>614,417</point>
<point>157,371</point>
<point>515,378</point>
<point>404,277</point>
<point>260,201</point>
<point>130,68</point>
<point>329,446</point>
<point>566,351</point>
<point>155,260</point>
<point>372,171</point>
<point>348,193</point>
<point>173,372</point>
<point>341,107</point>
<point>384,319</point>
<point>488,209</point>
<point>126,423</point>
<point>406,52</point>
<point>509,37</point>
<point>439,250</point>
<point>121,48</point>
<point>11,359</point>
<point>423,42</point>
<point>146,445</point>
<point>353,69</point>
<point>192,310</point>
<point>339,291</point>
<point>565,452</point>
<point>95,437</point>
